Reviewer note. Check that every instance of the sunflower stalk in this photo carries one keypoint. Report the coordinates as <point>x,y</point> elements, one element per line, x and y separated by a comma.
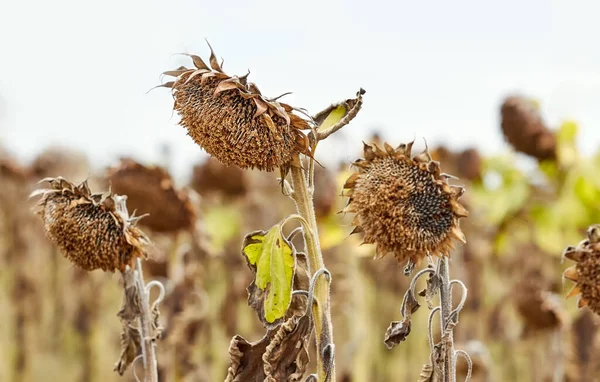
<point>145,322</point>
<point>303,199</point>
<point>446,320</point>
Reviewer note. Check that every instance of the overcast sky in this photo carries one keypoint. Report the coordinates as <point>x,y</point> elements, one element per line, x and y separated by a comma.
<point>76,72</point>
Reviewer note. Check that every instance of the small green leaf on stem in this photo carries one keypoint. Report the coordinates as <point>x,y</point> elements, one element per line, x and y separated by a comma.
<point>272,257</point>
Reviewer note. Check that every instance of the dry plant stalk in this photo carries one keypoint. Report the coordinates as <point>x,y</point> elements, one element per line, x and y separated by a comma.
<point>95,231</point>
<point>230,118</point>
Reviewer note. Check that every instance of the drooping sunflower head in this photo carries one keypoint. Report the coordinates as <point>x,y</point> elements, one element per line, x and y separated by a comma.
<point>93,231</point>
<point>586,272</point>
<point>229,118</point>
<point>404,204</point>
<point>524,129</point>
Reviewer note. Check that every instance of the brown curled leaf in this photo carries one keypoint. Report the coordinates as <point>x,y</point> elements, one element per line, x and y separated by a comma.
<point>131,345</point>
<point>281,355</point>
<point>131,308</point>
<point>397,332</point>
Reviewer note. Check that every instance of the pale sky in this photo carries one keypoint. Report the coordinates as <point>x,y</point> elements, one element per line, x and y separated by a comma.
<point>76,72</point>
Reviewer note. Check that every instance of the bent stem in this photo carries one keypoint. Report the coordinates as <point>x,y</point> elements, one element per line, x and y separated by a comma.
<point>303,198</point>
<point>145,320</point>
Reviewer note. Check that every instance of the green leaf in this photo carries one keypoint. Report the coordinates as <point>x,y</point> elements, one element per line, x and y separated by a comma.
<point>335,115</point>
<point>272,257</point>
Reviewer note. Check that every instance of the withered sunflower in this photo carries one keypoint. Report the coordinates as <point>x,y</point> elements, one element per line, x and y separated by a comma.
<point>229,117</point>
<point>93,231</point>
<point>403,204</point>
<point>586,272</point>
<point>150,190</point>
<point>537,305</point>
<point>524,129</point>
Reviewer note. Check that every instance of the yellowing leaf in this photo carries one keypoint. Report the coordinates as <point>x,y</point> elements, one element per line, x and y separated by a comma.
<point>333,117</point>
<point>272,258</point>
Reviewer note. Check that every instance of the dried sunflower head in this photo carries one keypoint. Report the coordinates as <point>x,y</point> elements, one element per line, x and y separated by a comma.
<point>213,176</point>
<point>63,161</point>
<point>539,308</point>
<point>586,271</point>
<point>403,204</point>
<point>525,130</point>
<point>93,231</point>
<point>230,119</point>
<point>150,190</point>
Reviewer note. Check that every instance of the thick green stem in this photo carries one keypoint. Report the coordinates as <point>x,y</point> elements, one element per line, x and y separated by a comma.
<point>321,308</point>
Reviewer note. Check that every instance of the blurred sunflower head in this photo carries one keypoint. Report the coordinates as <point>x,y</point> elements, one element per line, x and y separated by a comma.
<point>404,204</point>
<point>93,231</point>
<point>524,129</point>
<point>150,190</point>
<point>586,272</point>
<point>229,117</point>
<point>538,306</point>
<point>213,177</point>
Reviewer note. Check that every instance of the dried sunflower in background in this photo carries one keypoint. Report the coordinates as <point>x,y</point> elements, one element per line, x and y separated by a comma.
<point>465,164</point>
<point>230,119</point>
<point>150,190</point>
<point>404,204</point>
<point>525,130</point>
<point>68,162</point>
<point>213,176</point>
<point>93,231</point>
<point>326,191</point>
<point>586,273</point>
<point>537,305</point>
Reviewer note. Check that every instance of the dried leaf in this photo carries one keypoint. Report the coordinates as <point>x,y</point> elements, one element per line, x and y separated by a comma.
<point>433,286</point>
<point>198,62</point>
<point>131,347</point>
<point>397,332</point>
<point>272,258</point>
<point>261,106</point>
<point>177,72</point>
<point>232,83</point>
<point>156,327</point>
<point>214,63</point>
<point>281,355</point>
<point>132,305</point>
<point>426,374</point>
